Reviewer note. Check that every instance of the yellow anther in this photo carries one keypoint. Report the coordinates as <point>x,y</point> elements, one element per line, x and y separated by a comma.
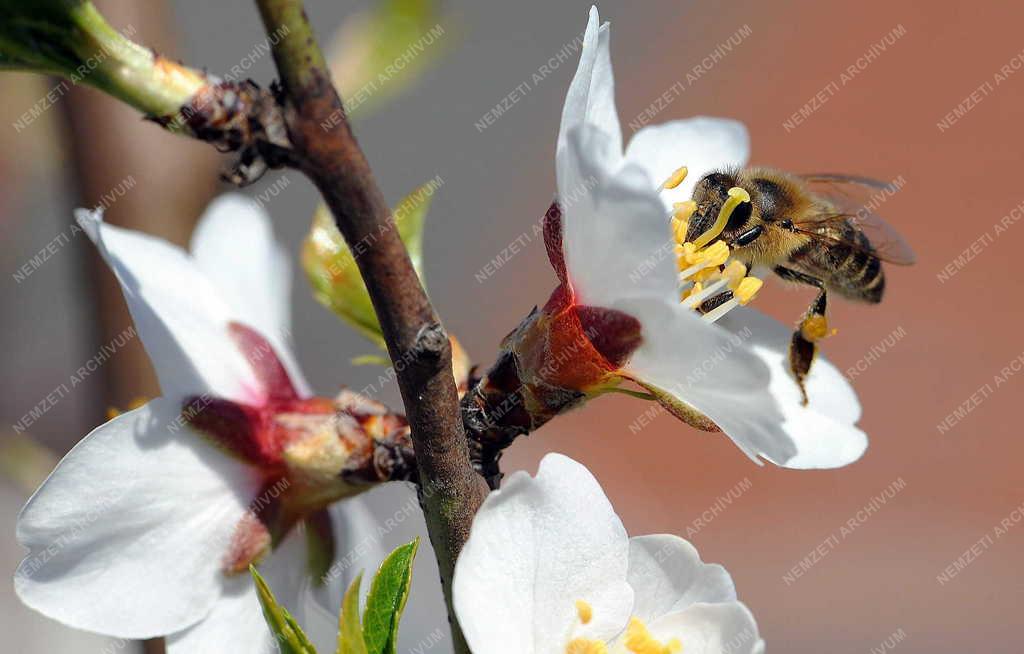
<point>706,275</point>
<point>584,610</point>
<point>736,197</point>
<point>640,641</point>
<point>586,646</point>
<point>680,225</point>
<point>713,255</point>
<point>734,272</point>
<point>747,289</point>
<point>815,328</point>
<point>688,256</point>
<point>716,254</point>
<point>676,178</point>
<point>679,228</point>
<point>686,206</point>
<point>681,219</point>
<point>701,265</point>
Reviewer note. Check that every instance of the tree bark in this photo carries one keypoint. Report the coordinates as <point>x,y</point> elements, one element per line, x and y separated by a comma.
<point>324,148</point>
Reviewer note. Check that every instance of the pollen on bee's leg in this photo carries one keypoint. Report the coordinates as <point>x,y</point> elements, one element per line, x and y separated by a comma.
<point>815,328</point>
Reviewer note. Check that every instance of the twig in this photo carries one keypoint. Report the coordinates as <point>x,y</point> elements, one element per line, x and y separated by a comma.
<point>324,148</point>
<point>301,124</point>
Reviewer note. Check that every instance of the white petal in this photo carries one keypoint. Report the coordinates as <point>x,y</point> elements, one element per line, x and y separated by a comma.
<point>702,144</point>
<point>236,623</point>
<point>127,535</point>
<point>615,237</point>
<point>591,95</point>
<point>822,434</point>
<point>711,629</point>
<point>742,384</point>
<point>180,316</point>
<point>828,390</point>
<point>536,546</point>
<point>234,246</point>
<point>701,364</point>
<point>667,575</point>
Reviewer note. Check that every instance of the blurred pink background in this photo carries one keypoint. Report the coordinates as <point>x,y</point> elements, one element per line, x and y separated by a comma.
<point>877,585</point>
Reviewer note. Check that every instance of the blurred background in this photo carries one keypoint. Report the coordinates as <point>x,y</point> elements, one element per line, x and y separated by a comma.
<point>875,88</point>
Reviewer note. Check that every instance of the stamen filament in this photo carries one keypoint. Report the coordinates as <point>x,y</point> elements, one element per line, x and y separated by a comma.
<point>721,310</point>
<point>714,255</point>
<point>705,270</point>
<point>695,299</point>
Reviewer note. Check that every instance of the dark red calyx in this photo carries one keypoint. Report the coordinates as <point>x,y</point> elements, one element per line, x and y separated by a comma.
<point>553,240</point>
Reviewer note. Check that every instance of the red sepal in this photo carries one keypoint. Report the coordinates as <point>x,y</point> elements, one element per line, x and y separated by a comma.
<point>553,240</point>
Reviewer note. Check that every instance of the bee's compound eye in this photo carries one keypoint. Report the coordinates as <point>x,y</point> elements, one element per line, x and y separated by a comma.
<point>740,216</point>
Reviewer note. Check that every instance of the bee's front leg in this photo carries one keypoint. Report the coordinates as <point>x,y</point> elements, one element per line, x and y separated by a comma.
<point>803,346</point>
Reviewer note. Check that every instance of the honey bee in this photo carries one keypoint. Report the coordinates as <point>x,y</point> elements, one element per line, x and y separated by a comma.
<point>818,230</point>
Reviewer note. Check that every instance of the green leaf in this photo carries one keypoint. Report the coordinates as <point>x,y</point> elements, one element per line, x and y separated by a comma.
<point>387,598</point>
<point>287,632</point>
<point>350,632</point>
<point>332,270</point>
<point>381,52</point>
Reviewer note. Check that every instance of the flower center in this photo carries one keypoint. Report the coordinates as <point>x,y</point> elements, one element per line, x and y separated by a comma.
<point>586,646</point>
<point>637,639</point>
<point>640,640</point>
<point>709,282</point>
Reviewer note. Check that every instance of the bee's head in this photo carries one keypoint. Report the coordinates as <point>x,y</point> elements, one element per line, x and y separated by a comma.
<point>710,194</point>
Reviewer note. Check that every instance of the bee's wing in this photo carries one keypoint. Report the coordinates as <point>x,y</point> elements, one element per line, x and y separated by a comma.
<point>853,199</point>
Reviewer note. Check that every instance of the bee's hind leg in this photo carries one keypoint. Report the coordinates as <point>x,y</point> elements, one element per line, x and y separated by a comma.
<point>803,346</point>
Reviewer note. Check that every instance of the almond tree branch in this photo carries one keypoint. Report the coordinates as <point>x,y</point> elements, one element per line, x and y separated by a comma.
<point>300,124</point>
<point>323,147</point>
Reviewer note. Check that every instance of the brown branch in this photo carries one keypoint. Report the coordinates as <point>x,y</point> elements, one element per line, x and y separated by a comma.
<point>324,148</point>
